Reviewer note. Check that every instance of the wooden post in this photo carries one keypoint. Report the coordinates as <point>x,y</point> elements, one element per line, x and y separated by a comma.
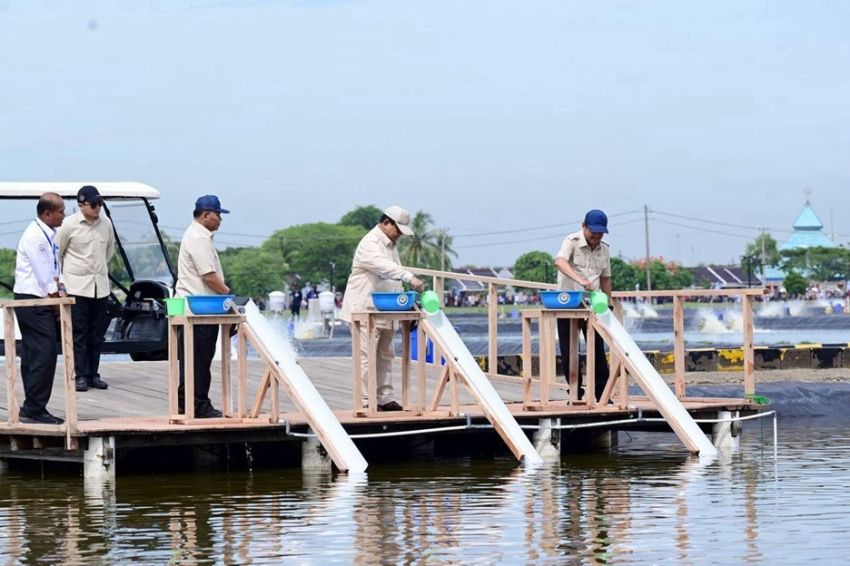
<point>590,363</point>
<point>189,370</point>
<point>679,345</point>
<point>11,364</point>
<point>547,355</point>
<point>273,383</point>
<point>749,354</point>
<point>70,388</point>
<point>225,369</point>
<point>405,364</point>
<point>439,289</point>
<point>356,384</point>
<point>526,360</point>
<point>242,372</point>
<point>420,348</point>
<point>173,367</point>
<point>572,363</point>
<point>372,356</point>
<point>492,323</point>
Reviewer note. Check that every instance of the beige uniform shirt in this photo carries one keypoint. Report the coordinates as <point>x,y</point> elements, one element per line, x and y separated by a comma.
<point>198,257</point>
<point>376,267</point>
<point>590,264</point>
<point>85,250</point>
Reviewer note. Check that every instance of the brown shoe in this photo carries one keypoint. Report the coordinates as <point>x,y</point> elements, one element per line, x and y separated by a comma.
<point>391,406</point>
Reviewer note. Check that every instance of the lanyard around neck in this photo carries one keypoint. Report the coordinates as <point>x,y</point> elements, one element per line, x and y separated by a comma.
<point>53,247</point>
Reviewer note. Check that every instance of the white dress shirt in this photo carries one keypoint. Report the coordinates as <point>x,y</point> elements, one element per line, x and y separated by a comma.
<point>37,261</point>
<point>376,267</point>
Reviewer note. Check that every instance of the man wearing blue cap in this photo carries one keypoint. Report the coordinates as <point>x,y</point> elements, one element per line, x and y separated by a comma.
<point>584,264</point>
<point>199,273</point>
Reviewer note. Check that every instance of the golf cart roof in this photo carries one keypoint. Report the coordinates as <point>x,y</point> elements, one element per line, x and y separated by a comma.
<point>108,190</point>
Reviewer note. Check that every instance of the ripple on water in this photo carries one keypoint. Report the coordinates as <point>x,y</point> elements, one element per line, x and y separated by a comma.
<point>645,502</point>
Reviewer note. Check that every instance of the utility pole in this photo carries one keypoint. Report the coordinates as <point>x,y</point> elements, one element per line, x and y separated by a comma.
<point>443,249</point>
<point>646,232</point>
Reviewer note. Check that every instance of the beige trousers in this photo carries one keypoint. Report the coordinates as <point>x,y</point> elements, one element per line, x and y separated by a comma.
<point>385,355</point>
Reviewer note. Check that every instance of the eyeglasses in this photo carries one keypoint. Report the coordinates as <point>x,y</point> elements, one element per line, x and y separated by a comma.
<point>94,204</point>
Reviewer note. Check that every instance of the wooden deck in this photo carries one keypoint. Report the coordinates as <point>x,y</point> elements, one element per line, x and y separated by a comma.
<point>137,402</point>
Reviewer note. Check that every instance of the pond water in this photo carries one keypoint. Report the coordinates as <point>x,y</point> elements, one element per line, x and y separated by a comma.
<point>644,502</point>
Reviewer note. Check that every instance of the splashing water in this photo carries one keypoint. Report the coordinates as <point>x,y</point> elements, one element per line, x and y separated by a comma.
<point>719,321</point>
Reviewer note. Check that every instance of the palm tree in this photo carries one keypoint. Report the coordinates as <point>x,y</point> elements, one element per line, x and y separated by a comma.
<point>427,247</point>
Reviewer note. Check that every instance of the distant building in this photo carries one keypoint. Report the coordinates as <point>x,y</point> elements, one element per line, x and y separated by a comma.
<point>808,233</point>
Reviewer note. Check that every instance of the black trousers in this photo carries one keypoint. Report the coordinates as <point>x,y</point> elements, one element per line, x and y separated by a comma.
<point>38,354</point>
<point>600,363</point>
<point>205,337</point>
<point>89,318</point>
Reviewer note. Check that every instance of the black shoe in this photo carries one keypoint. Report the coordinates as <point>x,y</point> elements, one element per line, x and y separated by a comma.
<point>97,383</point>
<point>82,384</point>
<point>42,418</point>
<point>209,413</point>
<point>391,406</point>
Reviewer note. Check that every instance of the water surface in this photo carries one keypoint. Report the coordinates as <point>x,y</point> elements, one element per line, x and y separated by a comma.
<point>645,502</point>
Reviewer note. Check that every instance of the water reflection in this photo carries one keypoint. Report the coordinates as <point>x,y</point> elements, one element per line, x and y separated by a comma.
<point>645,502</point>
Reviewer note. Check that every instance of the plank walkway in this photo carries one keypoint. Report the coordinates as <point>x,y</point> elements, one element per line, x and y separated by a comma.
<point>137,401</point>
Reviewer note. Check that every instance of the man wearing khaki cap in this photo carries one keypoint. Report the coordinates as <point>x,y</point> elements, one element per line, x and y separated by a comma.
<point>376,267</point>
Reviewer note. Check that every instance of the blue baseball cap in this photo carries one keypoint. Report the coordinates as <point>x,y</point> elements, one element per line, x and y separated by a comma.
<point>210,202</point>
<point>596,221</point>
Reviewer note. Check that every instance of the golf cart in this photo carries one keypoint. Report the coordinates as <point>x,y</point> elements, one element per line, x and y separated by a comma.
<point>141,271</point>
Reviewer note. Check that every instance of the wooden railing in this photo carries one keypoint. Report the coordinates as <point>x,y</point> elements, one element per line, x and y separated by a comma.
<point>678,296</point>
<point>67,340</point>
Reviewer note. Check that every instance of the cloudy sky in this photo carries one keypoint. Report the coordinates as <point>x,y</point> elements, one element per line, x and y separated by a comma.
<point>505,121</point>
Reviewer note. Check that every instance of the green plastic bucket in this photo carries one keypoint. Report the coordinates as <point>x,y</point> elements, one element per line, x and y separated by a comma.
<point>599,302</point>
<point>175,306</point>
<point>430,301</point>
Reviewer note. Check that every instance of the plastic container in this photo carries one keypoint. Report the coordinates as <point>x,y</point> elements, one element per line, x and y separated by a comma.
<point>599,302</point>
<point>429,348</point>
<point>561,299</point>
<point>277,301</point>
<point>327,302</point>
<point>210,304</point>
<point>430,301</point>
<point>175,306</point>
<point>394,301</point>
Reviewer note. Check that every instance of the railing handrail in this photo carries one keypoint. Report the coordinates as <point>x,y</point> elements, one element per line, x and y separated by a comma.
<point>482,278</point>
<point>754,292</point>
<point>677,295</point>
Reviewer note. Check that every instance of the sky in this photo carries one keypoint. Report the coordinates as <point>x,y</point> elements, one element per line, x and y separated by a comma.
<point>505,121</point>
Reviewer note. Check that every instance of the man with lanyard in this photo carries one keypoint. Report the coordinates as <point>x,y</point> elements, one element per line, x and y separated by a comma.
<point>584,264</point>
<point>377,267</point>
<point>37,271</point>
<point>199,273</point>
<point>86,244</point>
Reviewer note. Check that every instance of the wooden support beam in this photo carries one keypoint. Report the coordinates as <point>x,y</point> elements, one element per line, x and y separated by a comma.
<point>749,352</point>
<point>69,375</point>
<point>679,345</point>
<point>11,363</point>
<point>492,328</point>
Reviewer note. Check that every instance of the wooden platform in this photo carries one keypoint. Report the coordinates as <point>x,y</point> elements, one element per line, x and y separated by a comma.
<point>136,403</point>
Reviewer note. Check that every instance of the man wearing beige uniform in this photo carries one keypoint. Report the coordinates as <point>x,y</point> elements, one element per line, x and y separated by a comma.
<point>199,273</point>
<point>376,267</point>
<point>584,264</point>
<point>86,243</point>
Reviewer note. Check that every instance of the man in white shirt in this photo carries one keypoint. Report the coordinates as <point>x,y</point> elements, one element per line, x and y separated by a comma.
<point>199,273</point>
<point>376,267</point>
<point>37,277</point>
<point>584,264</point>
<point>86,244</point>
